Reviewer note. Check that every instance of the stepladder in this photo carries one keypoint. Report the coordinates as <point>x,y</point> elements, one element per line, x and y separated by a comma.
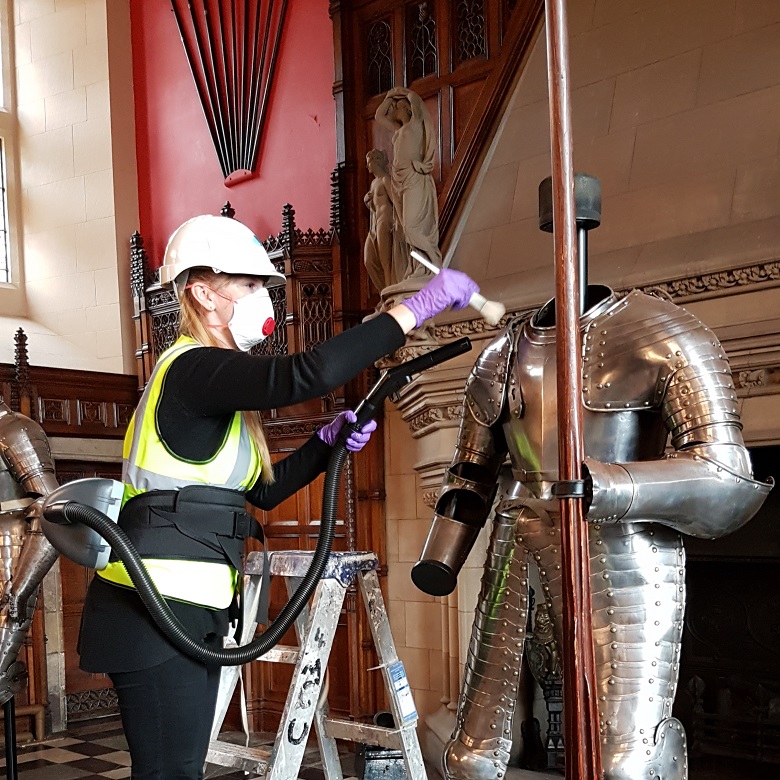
<point>306,706</point>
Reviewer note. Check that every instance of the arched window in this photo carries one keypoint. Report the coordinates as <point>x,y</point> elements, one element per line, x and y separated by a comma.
<point>9,268</point>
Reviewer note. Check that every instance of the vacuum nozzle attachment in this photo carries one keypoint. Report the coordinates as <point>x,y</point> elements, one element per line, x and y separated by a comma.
<point>393,379</point>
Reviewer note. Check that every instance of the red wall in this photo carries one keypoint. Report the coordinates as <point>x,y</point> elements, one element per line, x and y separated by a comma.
<point>178,172</point>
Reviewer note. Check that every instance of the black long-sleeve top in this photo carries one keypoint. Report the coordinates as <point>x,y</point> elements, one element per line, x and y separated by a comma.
<point>204,387</point>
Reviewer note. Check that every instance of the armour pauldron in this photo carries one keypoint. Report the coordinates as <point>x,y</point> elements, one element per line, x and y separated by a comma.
<point>25,449</point>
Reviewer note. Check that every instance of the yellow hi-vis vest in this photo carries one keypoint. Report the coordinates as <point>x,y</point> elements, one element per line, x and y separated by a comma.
<point>150,465</point>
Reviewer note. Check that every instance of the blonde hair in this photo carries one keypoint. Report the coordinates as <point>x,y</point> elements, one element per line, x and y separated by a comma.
<point>191,324</point>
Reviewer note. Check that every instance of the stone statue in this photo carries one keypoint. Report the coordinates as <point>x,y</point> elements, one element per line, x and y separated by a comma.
<point>26,474</point>
<point>413,189</point>
<point>378,249</point>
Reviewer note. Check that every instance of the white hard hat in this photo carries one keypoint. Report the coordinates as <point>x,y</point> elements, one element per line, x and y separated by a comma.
<point>221,243</point>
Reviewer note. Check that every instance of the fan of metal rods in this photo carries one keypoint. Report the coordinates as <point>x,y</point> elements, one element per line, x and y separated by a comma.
<point>231,47</point>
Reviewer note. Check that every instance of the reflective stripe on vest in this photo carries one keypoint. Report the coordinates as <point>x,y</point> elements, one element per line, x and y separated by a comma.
<point>150,465</point>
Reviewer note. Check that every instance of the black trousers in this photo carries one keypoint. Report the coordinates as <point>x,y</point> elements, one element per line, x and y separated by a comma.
<point>167,713</point>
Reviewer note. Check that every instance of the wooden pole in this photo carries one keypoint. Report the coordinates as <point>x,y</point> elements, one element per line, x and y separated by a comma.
<point>581,736</point>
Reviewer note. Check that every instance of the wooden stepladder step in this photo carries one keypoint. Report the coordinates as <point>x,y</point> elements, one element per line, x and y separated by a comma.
<point>305,706</point>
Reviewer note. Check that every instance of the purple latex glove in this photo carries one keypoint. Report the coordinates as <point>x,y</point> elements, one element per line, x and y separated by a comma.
<point>448,288</point>
<point>356,440</point>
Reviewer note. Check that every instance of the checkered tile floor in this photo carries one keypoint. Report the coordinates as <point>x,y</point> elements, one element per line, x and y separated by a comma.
<point>97,749</point>
<point>93,749</point>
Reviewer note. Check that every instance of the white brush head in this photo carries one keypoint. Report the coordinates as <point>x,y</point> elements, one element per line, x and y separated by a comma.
<point>491,311</point>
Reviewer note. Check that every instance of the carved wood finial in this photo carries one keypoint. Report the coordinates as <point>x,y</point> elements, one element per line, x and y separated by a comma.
<point>335,200</point>
<point>20,387</point>
<point>138,265</point>
<point>287,236</point>
<point>21,359</point>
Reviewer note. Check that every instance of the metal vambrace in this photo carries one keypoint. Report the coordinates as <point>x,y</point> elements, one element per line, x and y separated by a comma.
<point>35,560</point>
<point>464,503</point>
<point>699,491</point>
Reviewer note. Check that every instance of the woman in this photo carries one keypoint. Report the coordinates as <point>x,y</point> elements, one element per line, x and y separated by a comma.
<point>194,454</point>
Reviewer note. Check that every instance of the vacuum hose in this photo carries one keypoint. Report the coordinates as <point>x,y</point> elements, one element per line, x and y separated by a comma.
<point>72,512</point>
<point>161,613</point>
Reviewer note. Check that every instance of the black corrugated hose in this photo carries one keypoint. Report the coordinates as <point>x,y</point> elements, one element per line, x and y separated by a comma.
<point>161,613</point>
<point>390,382</point>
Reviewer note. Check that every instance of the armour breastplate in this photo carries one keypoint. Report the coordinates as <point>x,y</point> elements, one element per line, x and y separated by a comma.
<point>622,419</point>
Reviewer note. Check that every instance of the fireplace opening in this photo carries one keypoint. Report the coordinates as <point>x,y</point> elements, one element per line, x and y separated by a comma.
<point>729,692</point>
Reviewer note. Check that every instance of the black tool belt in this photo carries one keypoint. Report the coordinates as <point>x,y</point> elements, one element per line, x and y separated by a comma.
<point>196,523</point>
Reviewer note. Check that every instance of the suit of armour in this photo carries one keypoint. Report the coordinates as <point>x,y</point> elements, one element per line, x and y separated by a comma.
<point>664,457</point>
<point>26,473</point>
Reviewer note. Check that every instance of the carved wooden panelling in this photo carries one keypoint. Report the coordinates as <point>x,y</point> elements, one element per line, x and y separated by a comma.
<point>166,324</point>
<point>316,312</point>
<point>317,265</point>
<point>91,704</point>
<point>276,343</point>
<point>92,412</point>
<point>123,413</point>
<point>314,238</point>
<point>86,416</point>
<point>470,31</point>
<point>422,56</point>
<point>379,57</point>
<point>53,410</point>
<point>74,403</point>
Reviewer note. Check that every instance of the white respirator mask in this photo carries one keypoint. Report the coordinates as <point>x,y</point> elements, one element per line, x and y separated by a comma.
<point>253,319</point>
